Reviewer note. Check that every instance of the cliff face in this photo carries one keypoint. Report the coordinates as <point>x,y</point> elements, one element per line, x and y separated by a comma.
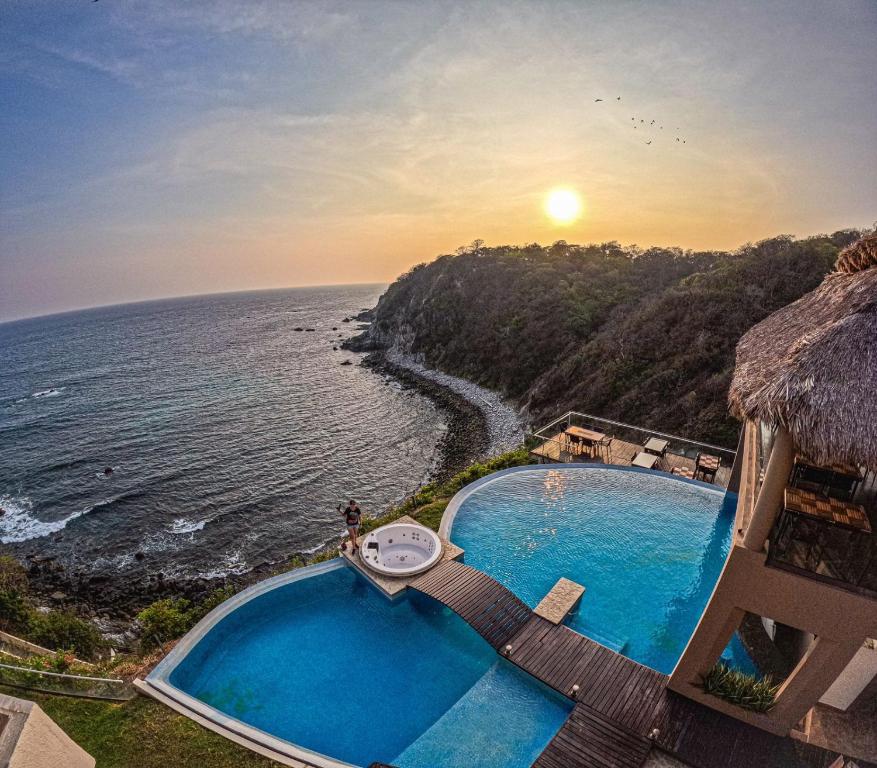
<point>646,337</point>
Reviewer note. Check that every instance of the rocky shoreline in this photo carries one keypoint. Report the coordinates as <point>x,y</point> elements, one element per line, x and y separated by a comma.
<point>479,425</point>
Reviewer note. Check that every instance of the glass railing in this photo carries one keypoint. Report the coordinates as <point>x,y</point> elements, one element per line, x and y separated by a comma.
<point>66,684</point>
<point>623,442</point>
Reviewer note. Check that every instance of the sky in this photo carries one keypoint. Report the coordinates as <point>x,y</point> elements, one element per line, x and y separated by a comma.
<point>161,147</point>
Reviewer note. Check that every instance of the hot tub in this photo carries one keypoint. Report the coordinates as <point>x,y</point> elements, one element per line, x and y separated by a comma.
<point>401,549</point>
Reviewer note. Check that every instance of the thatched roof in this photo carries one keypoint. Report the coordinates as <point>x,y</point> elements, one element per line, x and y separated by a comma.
<point>811,367</point>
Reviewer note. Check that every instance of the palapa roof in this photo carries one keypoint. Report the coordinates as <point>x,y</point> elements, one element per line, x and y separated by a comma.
<point>811,366</point>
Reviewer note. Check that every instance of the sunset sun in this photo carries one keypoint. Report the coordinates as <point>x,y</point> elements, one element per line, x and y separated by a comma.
<point>563,206</point>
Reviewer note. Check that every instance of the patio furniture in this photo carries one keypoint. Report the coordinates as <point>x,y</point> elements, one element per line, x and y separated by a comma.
<point>835,511</point>
<point>644,460</point>
<point>817,533</point>
<point>605,447</point>
<point>656,446</point>
<point>839,480</point>
<point>583,437</point>
<point>706,466</point>
<point>685,472</point>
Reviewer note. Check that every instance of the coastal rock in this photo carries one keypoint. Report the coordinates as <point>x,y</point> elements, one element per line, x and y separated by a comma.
<point>346,362</point>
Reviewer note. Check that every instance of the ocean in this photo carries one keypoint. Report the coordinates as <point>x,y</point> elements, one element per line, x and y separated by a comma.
<point>231,435</point>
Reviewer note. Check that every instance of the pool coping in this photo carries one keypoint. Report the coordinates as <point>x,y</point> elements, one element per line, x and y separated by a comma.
<point>450,513</point>
<point>158,685</point>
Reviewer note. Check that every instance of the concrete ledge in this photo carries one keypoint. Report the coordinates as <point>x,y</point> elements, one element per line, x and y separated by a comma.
<point>560,600</point>
<point>29,738</point>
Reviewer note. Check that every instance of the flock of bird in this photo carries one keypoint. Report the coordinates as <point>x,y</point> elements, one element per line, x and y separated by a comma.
<point>648,126</point>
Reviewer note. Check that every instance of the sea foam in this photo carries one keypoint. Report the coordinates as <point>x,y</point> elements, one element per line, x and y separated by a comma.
<point>19,523</point>
<point>54,392</point>
<point>184,525</point>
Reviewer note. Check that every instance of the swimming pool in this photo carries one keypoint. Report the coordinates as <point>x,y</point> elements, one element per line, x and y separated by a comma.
<point>647,547</point>
<point>322,660</point>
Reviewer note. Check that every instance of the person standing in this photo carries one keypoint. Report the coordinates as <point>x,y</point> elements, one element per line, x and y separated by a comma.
<point>353,519</point>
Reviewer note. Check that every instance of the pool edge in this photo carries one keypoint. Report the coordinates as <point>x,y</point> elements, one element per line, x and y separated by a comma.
<point>157,683</point>
<point>447,522</point>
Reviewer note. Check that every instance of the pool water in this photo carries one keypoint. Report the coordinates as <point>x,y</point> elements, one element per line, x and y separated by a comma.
<point>647,548</point>
<point>330,664</point>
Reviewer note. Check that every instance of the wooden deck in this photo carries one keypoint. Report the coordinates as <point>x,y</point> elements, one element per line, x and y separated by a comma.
<point>635,700</point>
<point>620,453</point>
<point>496,613</point>
<point>622,708</point>
<point>589,740</point>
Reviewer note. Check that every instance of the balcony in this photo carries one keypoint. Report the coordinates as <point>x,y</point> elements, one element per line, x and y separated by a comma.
<point>576,437</point>
<point>826,529</point>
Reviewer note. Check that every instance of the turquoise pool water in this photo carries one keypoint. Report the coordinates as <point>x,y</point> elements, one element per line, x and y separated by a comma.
<point>330,664</point>
<point>647,548</point>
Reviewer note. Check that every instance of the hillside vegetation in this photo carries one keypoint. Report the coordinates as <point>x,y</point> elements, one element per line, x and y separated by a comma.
<point>641,336</point>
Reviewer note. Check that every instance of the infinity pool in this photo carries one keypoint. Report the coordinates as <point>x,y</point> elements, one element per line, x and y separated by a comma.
<point>647,547</point>
<point>331,665</point>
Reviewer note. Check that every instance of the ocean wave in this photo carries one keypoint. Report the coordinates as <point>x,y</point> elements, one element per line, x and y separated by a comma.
<point>53,392</point>
<point>184,525</point>
<point>19,523</point>
<point>233,563</point>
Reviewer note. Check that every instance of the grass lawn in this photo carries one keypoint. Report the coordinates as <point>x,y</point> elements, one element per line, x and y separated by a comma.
<point>141,733</point>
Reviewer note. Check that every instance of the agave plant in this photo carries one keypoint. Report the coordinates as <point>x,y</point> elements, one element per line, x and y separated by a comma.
<point>747,691</point>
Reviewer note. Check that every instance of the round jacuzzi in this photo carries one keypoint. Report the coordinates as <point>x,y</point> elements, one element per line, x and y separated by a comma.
<point>401,549</point>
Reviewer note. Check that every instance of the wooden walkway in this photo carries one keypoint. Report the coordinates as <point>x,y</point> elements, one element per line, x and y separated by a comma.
<point>621,453</point>
<point>622,708</point>
<point>496,613</point>
<point>589,740</point>
<point>634,699</point>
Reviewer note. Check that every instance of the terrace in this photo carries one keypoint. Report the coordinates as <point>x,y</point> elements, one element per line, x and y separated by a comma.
<point>576,437</point>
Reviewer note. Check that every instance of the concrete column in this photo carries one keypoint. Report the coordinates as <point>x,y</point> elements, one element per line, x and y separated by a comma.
<point>770,498</point>
<point>814,674</point>
<point>712,635</point>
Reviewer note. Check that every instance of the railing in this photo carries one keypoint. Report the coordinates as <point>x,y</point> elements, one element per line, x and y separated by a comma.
<point>826,551</point>
<point>549,441</point>
<point>65,684</point>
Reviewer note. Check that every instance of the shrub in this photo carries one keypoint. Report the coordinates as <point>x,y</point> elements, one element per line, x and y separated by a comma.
<point>171,618</point>
<point>747,691</point>
<point>13,576</point>
<point>163,620</point>
<point>61,629</point>
<point>15,612</point>
<point>210,602</point>
<point>15,609</point>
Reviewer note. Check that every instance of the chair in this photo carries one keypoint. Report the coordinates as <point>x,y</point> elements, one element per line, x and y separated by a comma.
<point>707,465</point>
<point>605,448</point>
